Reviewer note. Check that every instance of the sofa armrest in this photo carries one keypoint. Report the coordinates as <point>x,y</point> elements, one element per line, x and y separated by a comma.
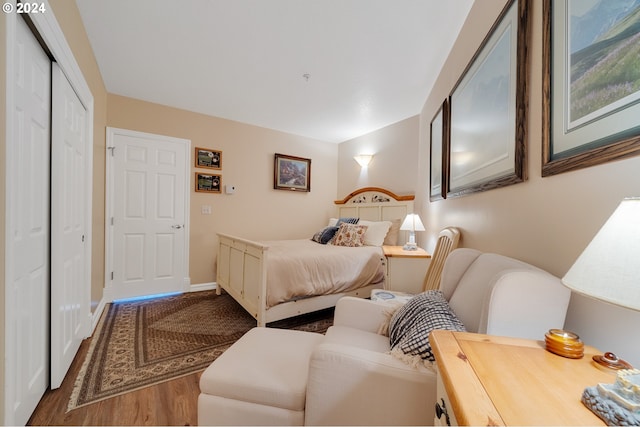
<point>526,304</point>
<point>348,385</point>
<point>361,313</point>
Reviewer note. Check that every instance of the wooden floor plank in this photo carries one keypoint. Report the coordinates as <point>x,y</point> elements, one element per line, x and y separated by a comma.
<point>172,403</point>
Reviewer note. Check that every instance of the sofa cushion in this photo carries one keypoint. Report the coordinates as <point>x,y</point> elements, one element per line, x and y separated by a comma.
<point>473,293</point>
<point>410,326</point>
<point>266,366</point>
<point>357,337</point>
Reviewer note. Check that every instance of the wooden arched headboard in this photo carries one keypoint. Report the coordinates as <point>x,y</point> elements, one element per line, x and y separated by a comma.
<point>375,204</point>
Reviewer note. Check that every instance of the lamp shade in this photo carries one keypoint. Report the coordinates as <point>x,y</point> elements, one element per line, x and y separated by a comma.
<point>412,222</point>
<point>609,268</point>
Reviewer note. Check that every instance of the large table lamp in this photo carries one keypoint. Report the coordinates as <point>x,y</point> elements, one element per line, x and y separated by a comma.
<point>609,268</point>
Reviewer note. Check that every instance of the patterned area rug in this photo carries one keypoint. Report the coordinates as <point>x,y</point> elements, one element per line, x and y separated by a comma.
<point>142,343</point>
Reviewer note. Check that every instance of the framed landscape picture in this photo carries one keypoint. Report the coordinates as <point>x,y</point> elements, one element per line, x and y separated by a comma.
<point>592,81</point>
<point>291,173</point>
<point>488,109</point>
<point>207,183</point>
<point>206,158</point>
<point>439,141</point>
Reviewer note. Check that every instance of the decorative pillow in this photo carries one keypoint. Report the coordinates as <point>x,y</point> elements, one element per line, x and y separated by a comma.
<point>391,238</point>
<point>410,326</point>
<point>347,220</point>
<point>323,236</point>
<point>349,235</point>
<point>376,232</point>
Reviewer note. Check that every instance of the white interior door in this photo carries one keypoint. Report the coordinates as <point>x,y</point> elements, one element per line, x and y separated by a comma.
<point>27,312</point>
<point>69,299</point>
<point>149,213</point>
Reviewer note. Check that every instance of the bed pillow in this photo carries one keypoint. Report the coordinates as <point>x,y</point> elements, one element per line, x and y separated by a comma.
<point>325,235</point>
<point>410,326</point>
<point>376,232</point>
<point>349,235</point>
<point>335,222</point>
<point>347,220</point>
<point>391,239</point>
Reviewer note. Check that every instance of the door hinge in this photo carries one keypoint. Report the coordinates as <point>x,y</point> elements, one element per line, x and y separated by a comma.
<point>111,220</point>
<point>112,149</point>
<point>83,238</point>
<point>112,275</point>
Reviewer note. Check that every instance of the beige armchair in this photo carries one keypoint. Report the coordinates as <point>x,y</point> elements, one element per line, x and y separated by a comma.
<point>348,376</point>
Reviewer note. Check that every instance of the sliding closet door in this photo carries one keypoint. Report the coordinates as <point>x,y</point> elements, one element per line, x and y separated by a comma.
<point>27,305</point>
<point>69,308</point>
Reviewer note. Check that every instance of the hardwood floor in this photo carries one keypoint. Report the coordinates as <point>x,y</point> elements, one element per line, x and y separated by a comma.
<point>172,403</point>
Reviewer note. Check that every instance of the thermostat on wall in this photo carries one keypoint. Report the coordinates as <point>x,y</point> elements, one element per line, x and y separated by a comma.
<point>229,189</point>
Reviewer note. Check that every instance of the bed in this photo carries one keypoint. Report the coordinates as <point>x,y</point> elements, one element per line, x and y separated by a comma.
<point>275,280</point>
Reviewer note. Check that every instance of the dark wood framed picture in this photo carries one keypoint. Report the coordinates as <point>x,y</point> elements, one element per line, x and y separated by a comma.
<point>591,84</point>
<point>439,132</point>
<point>488,109</point>
<point>208,183</point>
<point>291,173</point>
<point>206,158</point>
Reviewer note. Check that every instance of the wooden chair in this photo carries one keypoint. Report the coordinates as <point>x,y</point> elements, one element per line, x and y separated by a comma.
<point>448,240</point>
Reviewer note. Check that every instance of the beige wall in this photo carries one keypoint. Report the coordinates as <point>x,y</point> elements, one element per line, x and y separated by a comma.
<point>395,162</point>
<point>68,17</point>
<point>256,210</point>
<point>544,221</point>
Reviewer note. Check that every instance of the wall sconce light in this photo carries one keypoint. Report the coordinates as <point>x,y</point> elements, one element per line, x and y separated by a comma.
<point>363,159</point>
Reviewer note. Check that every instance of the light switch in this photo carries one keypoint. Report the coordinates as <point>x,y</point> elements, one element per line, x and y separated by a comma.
<point>206,210</point>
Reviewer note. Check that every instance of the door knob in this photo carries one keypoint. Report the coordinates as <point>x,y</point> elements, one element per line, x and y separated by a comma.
<point>176,227</point>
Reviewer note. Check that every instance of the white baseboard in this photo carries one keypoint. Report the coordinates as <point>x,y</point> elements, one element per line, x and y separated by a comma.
<point>96,315</point>
<point>203,287</point>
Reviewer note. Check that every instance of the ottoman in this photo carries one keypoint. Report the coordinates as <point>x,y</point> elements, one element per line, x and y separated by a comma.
<point>260,380</point>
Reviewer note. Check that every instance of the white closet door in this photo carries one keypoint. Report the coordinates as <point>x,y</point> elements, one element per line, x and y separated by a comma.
<point>27,340</point>
<point>69,299</point>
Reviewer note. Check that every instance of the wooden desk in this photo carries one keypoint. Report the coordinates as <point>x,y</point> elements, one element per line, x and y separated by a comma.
<point>491,380</point>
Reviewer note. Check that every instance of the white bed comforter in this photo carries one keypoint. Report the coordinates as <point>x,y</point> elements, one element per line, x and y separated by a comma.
<point>303,268</point>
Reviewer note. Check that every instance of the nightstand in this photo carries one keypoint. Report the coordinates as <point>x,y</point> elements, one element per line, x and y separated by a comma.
<point>405,270</point>
<point>490,380</point>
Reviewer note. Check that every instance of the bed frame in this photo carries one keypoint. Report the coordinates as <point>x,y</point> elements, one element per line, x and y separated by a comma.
<point>242,263</point>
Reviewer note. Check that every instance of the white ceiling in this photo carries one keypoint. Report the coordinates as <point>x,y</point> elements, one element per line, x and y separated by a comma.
<point>370,63</point>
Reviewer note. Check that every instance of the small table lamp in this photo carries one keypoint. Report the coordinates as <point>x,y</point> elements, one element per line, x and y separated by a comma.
<point>412,223</point>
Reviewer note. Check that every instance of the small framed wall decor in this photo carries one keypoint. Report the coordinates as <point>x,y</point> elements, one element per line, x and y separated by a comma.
<point>206,158</point>
<point>291,173</point>
<point>207,183</point>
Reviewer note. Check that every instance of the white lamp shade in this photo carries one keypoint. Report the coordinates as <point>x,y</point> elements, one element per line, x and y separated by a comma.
<point>609,268</point>
<point>412,222</point>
